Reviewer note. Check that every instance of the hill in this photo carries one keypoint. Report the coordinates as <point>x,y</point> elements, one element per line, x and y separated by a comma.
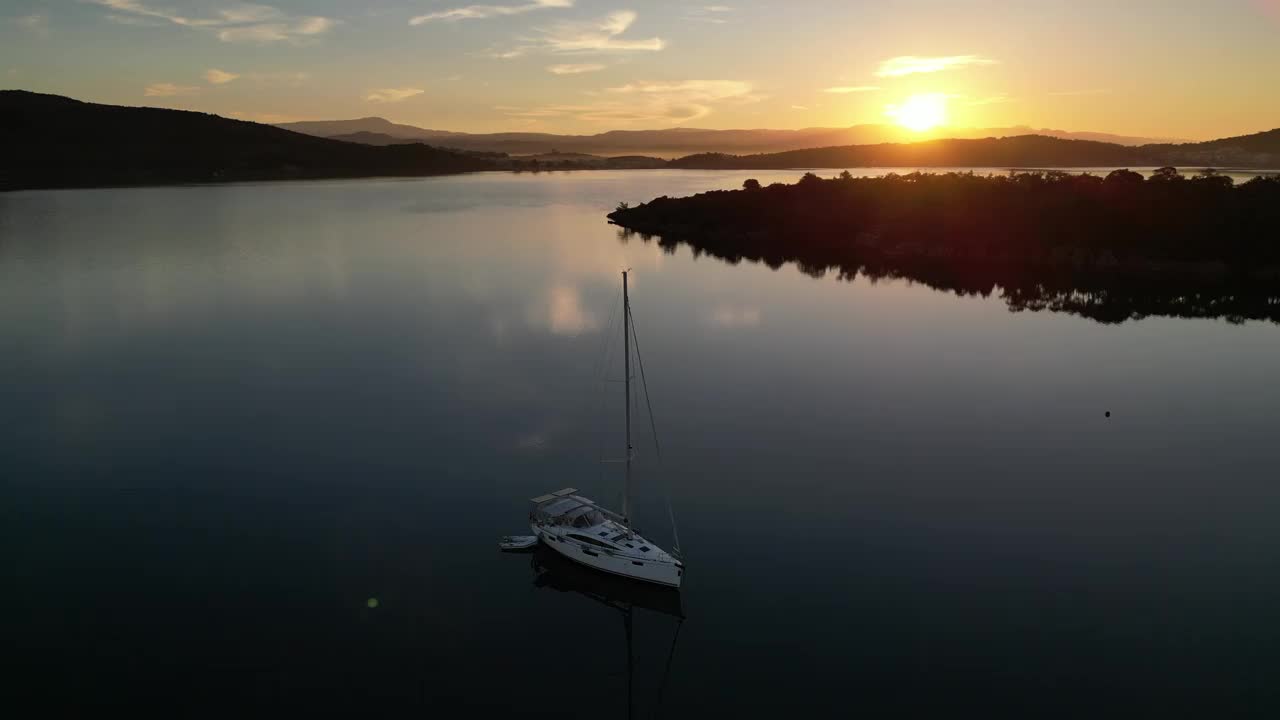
<point>374,125</point>
<point>372,138</point>
<point>1259,150</point>
<point>672,142</point>
<point>1025,151</point>
<point>49,141</point>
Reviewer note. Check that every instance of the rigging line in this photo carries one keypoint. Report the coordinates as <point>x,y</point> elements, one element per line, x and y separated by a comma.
<point>666,674</point>
<point>653,428</point>
<point>597,390</point>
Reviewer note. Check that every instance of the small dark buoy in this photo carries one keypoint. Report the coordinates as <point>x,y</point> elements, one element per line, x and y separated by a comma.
<point>1108,413</point>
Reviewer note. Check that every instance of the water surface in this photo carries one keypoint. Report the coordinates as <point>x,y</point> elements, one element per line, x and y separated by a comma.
<point>233,415</point>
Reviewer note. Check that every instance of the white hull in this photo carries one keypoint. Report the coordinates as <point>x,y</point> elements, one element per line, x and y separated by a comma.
<point>637,567</point>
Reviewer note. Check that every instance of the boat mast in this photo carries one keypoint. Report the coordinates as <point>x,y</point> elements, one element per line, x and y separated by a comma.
<point>626,374</point>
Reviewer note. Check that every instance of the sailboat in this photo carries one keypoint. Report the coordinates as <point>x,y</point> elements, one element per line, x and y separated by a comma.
<point>581,530</point>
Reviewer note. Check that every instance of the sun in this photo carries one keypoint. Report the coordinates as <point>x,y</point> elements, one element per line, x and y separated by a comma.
<point>920,112</point>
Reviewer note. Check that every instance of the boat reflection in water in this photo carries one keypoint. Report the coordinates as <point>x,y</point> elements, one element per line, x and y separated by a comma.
<point>551,571</point>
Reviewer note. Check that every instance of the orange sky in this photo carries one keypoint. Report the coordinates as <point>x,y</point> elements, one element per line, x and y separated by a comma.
<point>1164,68</point>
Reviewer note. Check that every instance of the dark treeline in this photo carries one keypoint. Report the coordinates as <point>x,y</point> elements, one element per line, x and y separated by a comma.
<point>51,141</point>
<point>1110,248</point>
<point>584,162</point>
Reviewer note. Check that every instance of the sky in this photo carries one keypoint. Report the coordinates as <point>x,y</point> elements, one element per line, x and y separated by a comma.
<point>1191,69</point>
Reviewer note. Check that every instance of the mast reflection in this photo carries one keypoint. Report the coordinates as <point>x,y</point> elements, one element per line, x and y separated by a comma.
<point>551,571</point>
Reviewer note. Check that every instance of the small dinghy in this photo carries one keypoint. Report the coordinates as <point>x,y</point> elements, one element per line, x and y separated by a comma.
<point>517,543</point>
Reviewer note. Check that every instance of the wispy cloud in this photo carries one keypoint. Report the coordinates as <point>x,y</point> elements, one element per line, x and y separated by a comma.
<point>237,23</point>
<point>593,36</point>
<point>170,90</point>
<point>714,14</point>
<point>219,77</point>
<point>34,23</point>
<point>480,12</point>
<point>392,95</point>
<point>574,69</point>
<point>599,35</point>
<point>911,64</point>
<point>848,89</point>
<point>665,103</point>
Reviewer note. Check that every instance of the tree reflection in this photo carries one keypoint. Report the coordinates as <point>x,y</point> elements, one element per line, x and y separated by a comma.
<point>1109,298</point>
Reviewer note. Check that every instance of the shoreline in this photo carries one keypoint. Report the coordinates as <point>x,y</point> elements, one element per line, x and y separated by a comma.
<point>5,188</point>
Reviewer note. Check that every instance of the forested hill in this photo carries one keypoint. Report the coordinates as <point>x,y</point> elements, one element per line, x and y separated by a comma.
<point>48,141</point>
<point>1022,151</point>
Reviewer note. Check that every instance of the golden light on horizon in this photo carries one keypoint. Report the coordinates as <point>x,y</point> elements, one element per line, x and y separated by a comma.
<point>919,113</point>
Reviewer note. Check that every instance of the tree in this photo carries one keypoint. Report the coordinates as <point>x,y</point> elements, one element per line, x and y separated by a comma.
<point>1212,178</point>
<point>1166,174</point>
<point>751,184</point>
<point>846,175</point>
<point>809,179</point>
<point>1124,178</point>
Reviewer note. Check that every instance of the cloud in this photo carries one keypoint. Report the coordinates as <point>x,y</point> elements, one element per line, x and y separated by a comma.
<point>480,12</point>
<point>392,95</point>
<point>847,89</point>
<point>34,23</point>
<point>577,69</point>
<point>666,103</point>
<point>219,77</point>
<point>911,64</point>
<point>295,31</point>
<point>799,107</point>
<point>237,23</point>
<point>599,35</point>
<point>170,90</point>
<point>592,36</point>
<point>709,13</point>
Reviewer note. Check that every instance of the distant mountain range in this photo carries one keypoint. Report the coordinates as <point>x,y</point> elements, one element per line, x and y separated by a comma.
<point>53,141</point>
<point>1023,151</point>
<point>1260,151</point>
<point>47,141</point>
<point>668,143</point>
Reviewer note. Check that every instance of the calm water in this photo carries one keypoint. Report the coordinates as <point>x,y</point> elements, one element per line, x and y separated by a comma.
<point>234,415</point>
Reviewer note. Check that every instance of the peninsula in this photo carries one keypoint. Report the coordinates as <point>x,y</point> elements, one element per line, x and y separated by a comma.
<point>1198,246</point>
